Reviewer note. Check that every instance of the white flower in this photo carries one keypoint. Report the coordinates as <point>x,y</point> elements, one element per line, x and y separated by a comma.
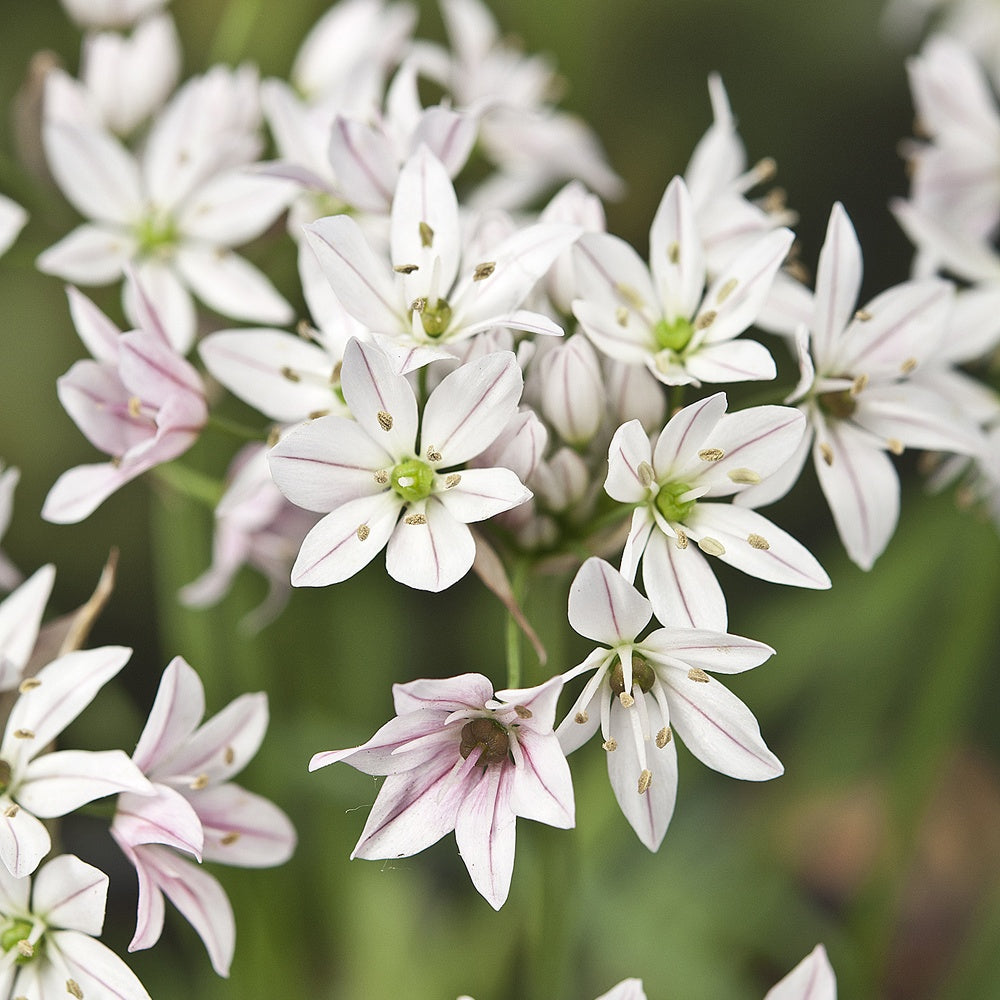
<point>110,13</point>
<point>12,220</point>
<point>48,940</point>
<point>10,575</point>
<point>20,618</point>
<point>369,472</point>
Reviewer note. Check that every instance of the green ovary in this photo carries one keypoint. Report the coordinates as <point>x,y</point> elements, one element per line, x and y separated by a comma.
<point>435,318</point>
<point>839,405</point>
<point>668,501</point>
<point>673,336</point>
<point>156,236</point>
<point>412,480</point>
<point>13,931</point>
<point>642,674</point>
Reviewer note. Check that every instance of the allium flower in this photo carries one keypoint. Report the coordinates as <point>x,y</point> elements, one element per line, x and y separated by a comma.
<point>428,297</point>
<point>196,809</point>
<point>37,784</point>
<point>110,13</point>
<point>459,757</point>
<point>10,575</point>
<point>20,617</point>
<point>641,691</point>
<point>704,453</point>
<point>811,979</point>
<point>661,316</point>
<point>138,401</point>
<point>12,220</point>
<point>369,472</point>
<point>48,931</point>
<point>856,390</point>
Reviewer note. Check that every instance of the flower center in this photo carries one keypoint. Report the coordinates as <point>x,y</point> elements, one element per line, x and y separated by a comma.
<point>673,336</point>
<point>669,504</point>
<point>412,480</point>
<point>490,736</point>
<point>435,318</point>
<point>156,236</point>
<point>840,405</point>
<point>642,674</point>
<point>12,933</point>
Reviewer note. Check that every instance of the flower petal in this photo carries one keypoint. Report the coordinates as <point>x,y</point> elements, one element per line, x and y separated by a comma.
<point>24,841</point>
<point>838,281</point>
<point>242,828</point>
<point>604,606</point>
<point>676,257</point>
<point>482,493</point>
<point>628,451</point>
<point>706,649</point>
<point>431,554</point>
<point>72,894</point>
<point>89,255</point>
<point>681,586</point>
<point>56,783</point>
<point>812,979</point>
<point>484,830</point>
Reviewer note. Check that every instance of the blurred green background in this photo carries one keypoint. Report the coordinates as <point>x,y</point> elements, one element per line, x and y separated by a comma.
<point>883,837</point>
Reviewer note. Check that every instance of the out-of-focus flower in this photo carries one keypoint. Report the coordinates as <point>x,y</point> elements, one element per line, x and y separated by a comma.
<point>701,454</point>
<point>174,213</point>
<point>20,618</point>
<point>661,316</point>
<point>196,809</point>
<point>10,575</point>
<point>641,691</point>
<point>138,401</point>
<point>110,13</point>
<point>811,979</point>
<point>49,931</point>
<point>369,471</point>
<point>12,220</point>
<point>459,757</point>
<point>36,784</point>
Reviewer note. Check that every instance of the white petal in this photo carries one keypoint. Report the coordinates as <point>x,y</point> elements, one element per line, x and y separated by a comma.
<point>707,649</point>
<point>381,400</point>
<point>604,606</point>
<point>917,418</point>
<point>838,281</point>
<point>234,208</point>
<point>628,451</point>
<point>484,830</point>
<point>98,333</point>
<point>20,616</point>
<point>72,894</point>
<point>244,829</point>
<point>482,493</point>
<point>731,361</point>
<point>676,256</point>
<point>24,841</point>
<point>168,296</point>
<point>89,255</point>
<point>364,163</point>
<point>686,434</point>
<point>811,979</point>
<point>78,492</point>
<point>681,586</point>
<point>56,783</point>
<point>610,274</point>
<point>718,728</point>
<point>543,788</point>
<point>95,968</point>
<point>164,818</point>
<point>431,555</point>
<point>12,220</point>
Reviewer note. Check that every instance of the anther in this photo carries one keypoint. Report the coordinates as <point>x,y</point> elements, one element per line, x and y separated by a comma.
<point>744,476</point>
<point>23,734</point>
<point>135,406</point>
<point>646,476</point>
<point>381,477</point>
<point>200,782</point>
<point>581,718</point>
<point>699,675</point>
<point>859,383</point>
<point>273,436</point>
<point>705,320</point>
<point>758,541</point>
<point>645,780</point>
<point>726,290</point>
<point>384,420</point>
<point>711,454</point>
<point>406,268</point>
<point>629,294</point>
<point>25,948</point>
<point>433,455</point>
<point>663,737</point>
<point>711,546</point>
<point>419,305</point>
<point>908,365</point>
<point>621,315</point>
<point>29,684</point>
<point>229,755</point>
<point>229,838</point>
<point>316,414</point>
<point>895,446</point>
<point>827,452</point>
<point>863,315</point>
<point>426,235</point>
<point>484,270</point>
<point>674,252</point>
<point>12,810</point>
<point>73,988</point>
<point>452,480</point>
<point>626,699</point>
<point>415,519</point>
<point>522,712</point>
<point>681,541</point>
<point>610,745</point>
<point>291,374</point>
<point>335,373</point>
<point>363,532</point>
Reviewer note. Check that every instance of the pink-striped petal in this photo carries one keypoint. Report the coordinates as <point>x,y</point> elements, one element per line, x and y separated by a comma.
<point>604,606</point>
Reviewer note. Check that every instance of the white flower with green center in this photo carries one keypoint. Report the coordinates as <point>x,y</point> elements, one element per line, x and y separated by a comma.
<point>661,316</point>
<point>704,453</point>
<point>48,931</point>
<point>366,473</point>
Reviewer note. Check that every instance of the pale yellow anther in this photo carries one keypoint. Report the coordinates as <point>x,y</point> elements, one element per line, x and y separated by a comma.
<point>229,755</point>
<point>381,477</point>
<point>711,546</point>
<point>726,290</point>
<point>895,446</point>
<point>699,675</point>
<point>29,684</point>
<point>415,519</point>
<point>827,452</point>
<point>433,455</point>
<point>135,406</point>
<point>23,734</point>
<point>73,988</point>
<point>523,712</point>
<point>419,305</point>
<point>581,717</point>
<point>664,361</point>
<point>229,838</point>
<point>744,476</point>
<point>908,366</point>
<point>363,532</point>
<point>452,480</point>
<point>12,810</point>
<point>116,461</point>
<point>711,454</point>
<point>626,699</point>
<point>859,383</point>
<point>621,316</point>
<point>384,420</point>
<point>681,541</point>
<point>610,745</point>
<point>646,475</point>
<point>674,252</point>
<point>304,330</point>
<point>758,541</point>
<point>426,235</point>
<point>863,315</point>
<point>25,948</point>
<point>630,295</point>
<point>335,373</point>
<point>291,374</point>
<point>765,169</point>
<point>645,780</point>
<point>484,270</point>
<point>705,320</point>
<point>406,268</point>
<point>200,782</point>
<point>273,436</point>
<point>663,737</point>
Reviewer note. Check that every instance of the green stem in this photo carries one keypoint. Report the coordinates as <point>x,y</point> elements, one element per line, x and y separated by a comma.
<point>190,483</point>
<point>234,429</point>
<point>519,585</point>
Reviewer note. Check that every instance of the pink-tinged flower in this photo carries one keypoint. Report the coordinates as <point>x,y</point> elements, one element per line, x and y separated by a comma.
<point>661,316</point>
<point>459,757</point>
<point>627,989</point>
<point>427,297</point>
<point>857,392</point>
<point>811,979</point>
<point>254,526</point>
<point>20,617</point>
<point>640,691</point>
<point>35,784</point>
<point>12,220</point>
<point>704,453</point>
<point>10,575</point>
<point>197,810</point>
<point>368,472</point>
<point>138,401</point>
<point>49,932</point>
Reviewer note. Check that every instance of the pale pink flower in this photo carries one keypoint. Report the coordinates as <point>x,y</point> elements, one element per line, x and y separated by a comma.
<point>811,979</point>
<point>383,488</point>
<point>50,931</point>
<point>459,757</point>
<point>138,401</point>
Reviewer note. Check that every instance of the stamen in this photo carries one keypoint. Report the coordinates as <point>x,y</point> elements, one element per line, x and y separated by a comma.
<point>646,476</point>
<point>12,810</point>
<point>711,546</point>
<point>135,406</point>
<point>859,383</point>
<point>674,252</point>
<point>705,320</point>
<point>827,452</point>
<point>663,737</point>
<point>291,374</point>
<point>681,541</point>
<point>381,476</point>
<point>699,675</point>
<point>384,420</point>
<point>452,480</point>
<point>726,290</point>
<point>645,780</point>
<point>626,699</point>
<point>316,414</point>
<point>406,268</point>
<point>73,988</point>
<point>863,315</point>
<point>484,270</point>
<point>415,519</point>
<point>758,541</point>
<point>229,838</point>
<point>200,782</point>
<point>630,295</point>
<point>229,755</point>
<point>581,717</point>
<point>621,315</point>
<point>426,235</point>
<point>522,712</point>
<point>419,305</point>
<point>29,684</point>
<point>895,446</point>
<point>744,476</point>
<point>25,948</point>
<point>908,365</point>
<point>711,454</point>
<point>433,455</point>
<point>610,745</point>
<point>23,734</point>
